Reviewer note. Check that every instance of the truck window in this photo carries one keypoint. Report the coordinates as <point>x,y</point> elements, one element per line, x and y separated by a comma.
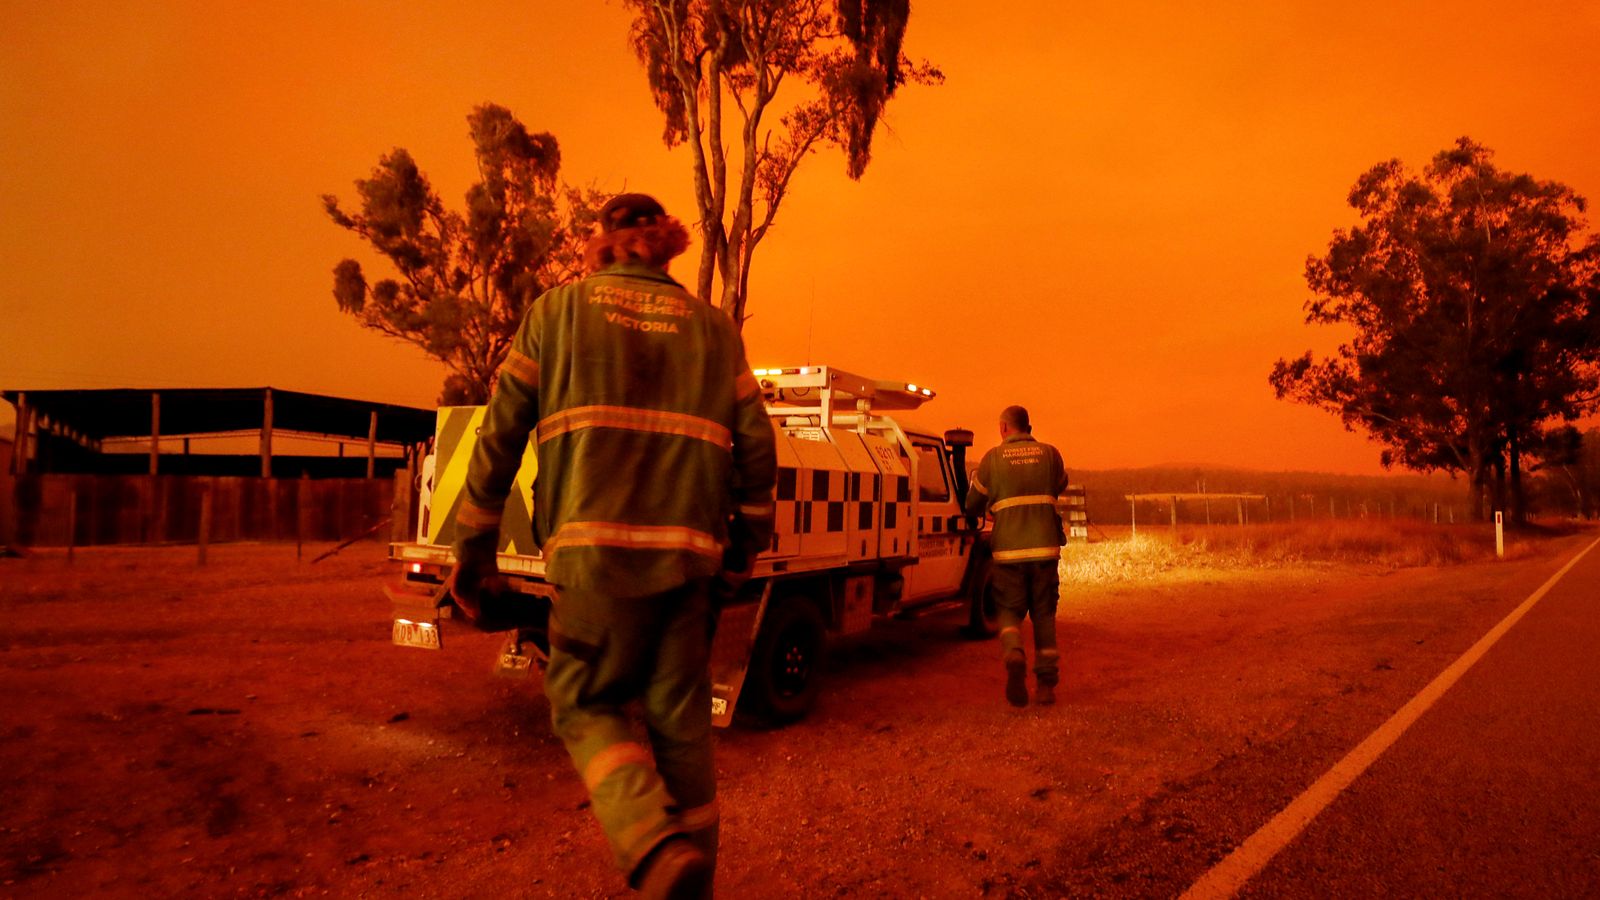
<point>930,474</point>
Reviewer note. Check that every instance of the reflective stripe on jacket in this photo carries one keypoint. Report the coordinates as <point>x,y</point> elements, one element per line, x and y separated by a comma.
<point>650,432</point>
<point>1018,483</point>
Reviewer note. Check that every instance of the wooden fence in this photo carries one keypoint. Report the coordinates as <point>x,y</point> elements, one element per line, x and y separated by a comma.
<point>63,510</point>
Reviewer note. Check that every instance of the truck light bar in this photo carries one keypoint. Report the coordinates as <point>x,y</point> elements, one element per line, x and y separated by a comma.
<point>813,370</point>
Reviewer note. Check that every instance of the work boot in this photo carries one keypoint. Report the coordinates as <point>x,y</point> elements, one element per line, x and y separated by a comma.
<point>1044,694</point>
<point>676,871</point>
<point>1016,679</point>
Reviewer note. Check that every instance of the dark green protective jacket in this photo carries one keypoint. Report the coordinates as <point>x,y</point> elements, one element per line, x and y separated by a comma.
<point>1018,483</point>
<point>651,435</point>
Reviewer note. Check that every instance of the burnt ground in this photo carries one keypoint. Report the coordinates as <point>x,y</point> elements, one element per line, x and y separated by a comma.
<point>246,729</point>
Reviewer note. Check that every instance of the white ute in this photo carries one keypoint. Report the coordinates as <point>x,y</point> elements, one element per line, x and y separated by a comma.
<point>869,526</point>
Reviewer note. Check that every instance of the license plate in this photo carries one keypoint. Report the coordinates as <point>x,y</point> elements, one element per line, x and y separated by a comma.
<point>513,665</point>
<point>415,634</point>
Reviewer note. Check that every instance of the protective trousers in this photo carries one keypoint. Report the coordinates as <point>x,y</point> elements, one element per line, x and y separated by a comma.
<point>1030,590</point>
<point>606,652</point>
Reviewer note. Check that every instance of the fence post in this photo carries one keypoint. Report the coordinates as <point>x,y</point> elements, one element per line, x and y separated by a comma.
<point>266,434</point>
<point>302,500</point>
<point>163,530</point>
<point>400,506</point>
<point>1133,515</point>
<point>72,521</point>
<point>372,444</point>
<point>8,511</point>
<point>19,447</point>
<point>205,519</point>
<point>147,509</point>
<point>155,432</point>
<point>270,532</point>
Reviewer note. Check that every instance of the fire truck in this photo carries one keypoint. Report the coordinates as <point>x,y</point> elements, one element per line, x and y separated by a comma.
<point>869,528</point>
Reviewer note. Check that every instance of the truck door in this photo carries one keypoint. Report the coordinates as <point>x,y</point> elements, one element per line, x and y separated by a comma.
<point>940,564</point>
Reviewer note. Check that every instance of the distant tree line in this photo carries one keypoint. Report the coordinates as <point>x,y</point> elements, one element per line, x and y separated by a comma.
<point>1474,298</point>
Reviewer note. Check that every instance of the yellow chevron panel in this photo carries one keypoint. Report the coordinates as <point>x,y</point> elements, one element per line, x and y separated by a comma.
<point>455,436</point>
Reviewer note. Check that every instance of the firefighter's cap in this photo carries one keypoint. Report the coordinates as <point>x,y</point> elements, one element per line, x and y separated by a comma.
<point>630,211</point>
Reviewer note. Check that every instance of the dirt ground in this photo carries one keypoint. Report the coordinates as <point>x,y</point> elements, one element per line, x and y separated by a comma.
<point>246,729</point>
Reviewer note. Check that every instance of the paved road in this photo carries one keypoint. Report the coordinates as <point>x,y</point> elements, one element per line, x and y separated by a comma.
<point>1493,792</point>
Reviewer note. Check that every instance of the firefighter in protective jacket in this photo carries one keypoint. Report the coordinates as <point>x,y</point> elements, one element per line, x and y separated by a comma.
<point>1018,483</point>
<point>656,467</point>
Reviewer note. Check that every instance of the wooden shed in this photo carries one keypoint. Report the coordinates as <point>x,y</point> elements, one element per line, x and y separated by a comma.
<point>131,465</point>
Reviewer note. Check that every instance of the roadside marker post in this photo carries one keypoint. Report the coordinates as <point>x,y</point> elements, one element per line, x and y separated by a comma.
<point>1499,536</point>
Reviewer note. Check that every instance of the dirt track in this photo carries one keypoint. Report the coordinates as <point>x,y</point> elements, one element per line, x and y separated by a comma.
<point>246,729</point>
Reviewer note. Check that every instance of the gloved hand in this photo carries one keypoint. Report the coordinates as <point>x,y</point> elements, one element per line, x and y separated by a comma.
<point>738,561</point>
<point>477,572</point>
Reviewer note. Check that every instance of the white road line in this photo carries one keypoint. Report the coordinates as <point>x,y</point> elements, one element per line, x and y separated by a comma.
<point>1227,877</point>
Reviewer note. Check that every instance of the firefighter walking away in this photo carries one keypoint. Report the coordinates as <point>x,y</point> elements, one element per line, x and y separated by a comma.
<point>1018,483</point>
<point>656,467</point>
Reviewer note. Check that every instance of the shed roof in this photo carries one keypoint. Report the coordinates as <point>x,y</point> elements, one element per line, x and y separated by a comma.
<point>101,413</point>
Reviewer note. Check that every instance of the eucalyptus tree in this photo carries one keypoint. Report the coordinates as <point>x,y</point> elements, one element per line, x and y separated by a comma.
<point>462,279</point>
<point>717,67</point>
<point>1472,300</point>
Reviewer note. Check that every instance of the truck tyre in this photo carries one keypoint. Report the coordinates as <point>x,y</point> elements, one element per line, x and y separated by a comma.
<point>785,664</point>
<point>983,616</point>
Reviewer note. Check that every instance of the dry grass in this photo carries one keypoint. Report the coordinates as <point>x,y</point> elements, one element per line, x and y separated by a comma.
<point>1389,544</point>
<point>1124,559</point>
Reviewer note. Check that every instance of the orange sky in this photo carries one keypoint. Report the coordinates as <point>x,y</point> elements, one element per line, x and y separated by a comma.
<point>1103,214</point>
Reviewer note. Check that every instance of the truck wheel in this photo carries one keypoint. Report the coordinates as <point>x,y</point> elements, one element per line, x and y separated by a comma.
<point>983,615</point>
<point>786,663</point>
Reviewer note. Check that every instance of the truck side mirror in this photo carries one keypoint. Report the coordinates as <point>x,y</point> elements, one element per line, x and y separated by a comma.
<point>958,437</point>
<point>958,440</point>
